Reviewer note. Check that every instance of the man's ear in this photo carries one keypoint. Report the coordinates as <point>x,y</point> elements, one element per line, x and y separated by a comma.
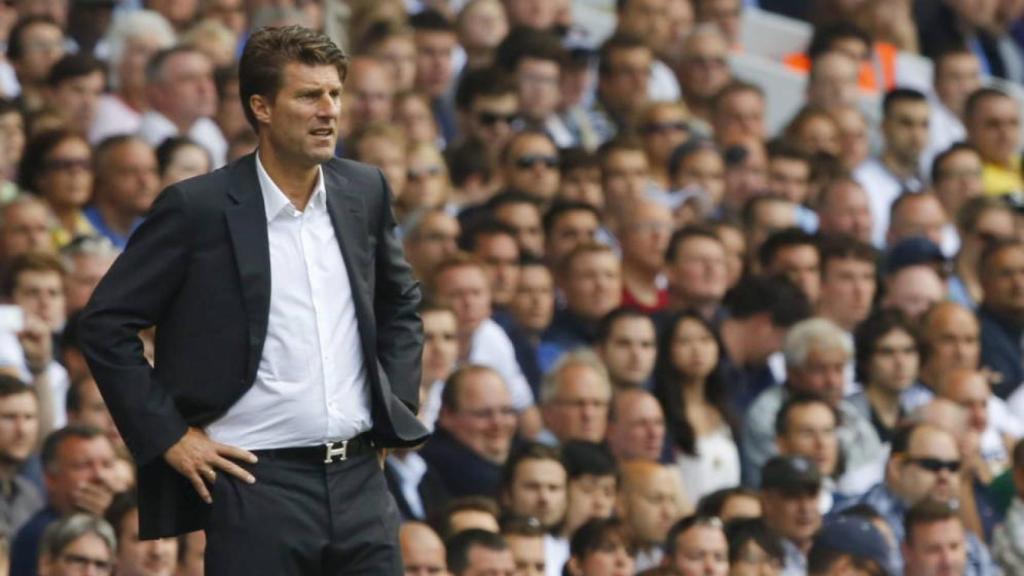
<point>262,108</point>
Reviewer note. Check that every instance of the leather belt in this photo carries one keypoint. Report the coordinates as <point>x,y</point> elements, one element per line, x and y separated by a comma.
<point>337,451</point>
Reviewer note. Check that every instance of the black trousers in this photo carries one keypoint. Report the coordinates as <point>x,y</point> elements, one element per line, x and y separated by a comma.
<point>304,519</point>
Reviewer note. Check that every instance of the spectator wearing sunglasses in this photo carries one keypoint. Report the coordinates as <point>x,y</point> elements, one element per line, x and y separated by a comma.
<point>663,127</point>
<point>529,162</point>
<point>487,105</point>
<point>925,462</point>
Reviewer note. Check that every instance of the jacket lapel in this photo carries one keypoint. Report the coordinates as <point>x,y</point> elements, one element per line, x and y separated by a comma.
<point>247,224</point>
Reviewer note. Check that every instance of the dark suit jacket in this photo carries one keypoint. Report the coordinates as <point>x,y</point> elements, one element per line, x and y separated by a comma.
<point>199,269</point>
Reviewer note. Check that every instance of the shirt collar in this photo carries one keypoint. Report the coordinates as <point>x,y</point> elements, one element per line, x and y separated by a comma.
<point>274,200</point>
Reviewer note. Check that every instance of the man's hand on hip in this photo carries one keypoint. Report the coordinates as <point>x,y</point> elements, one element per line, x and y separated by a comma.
<point>197,458</point>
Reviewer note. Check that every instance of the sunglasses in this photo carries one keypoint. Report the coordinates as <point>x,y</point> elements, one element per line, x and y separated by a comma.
<point>936,464</point>
<point>492,118</point>
<point>531,160</point>
<point>663,127</point>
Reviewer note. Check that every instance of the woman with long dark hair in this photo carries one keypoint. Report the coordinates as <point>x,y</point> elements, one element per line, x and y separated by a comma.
<point>689,385</point>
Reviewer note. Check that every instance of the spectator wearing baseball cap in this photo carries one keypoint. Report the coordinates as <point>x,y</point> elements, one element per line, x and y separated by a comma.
<point>849,542</point>
<point>789,497</point>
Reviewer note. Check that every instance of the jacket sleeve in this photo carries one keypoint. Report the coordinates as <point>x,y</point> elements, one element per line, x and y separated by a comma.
<point>396,298</point>
<point>135,295</point>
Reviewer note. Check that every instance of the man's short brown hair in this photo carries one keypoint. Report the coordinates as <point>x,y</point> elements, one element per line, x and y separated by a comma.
<point>30,262</point>
<point>267,52</point>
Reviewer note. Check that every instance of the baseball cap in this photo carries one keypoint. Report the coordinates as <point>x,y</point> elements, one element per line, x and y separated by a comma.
<point>913,251</point>
<point>790,474</point>
<point>855,536</point>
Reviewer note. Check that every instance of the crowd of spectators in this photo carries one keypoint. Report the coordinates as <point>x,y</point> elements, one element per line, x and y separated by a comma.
<point>661,337</point>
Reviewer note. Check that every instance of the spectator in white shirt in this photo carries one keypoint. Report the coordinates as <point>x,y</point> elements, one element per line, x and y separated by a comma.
<point>898,169</point>
<point>182,100</point>
<point>957,73</point>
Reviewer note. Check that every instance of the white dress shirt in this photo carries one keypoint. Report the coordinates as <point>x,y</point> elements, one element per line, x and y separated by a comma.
<point>310,386</point>
<point>491,347</point>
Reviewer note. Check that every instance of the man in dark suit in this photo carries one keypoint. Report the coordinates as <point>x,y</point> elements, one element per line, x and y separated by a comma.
<point>287,343</point>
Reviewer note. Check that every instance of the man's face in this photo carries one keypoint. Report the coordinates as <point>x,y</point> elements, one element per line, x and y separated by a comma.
<point>583,185</point>
<point>85,274</point>
<point>594,285</point>
<point>525,219</point>
<point>483,26</point>
<point>723,13</point>
<point>391,159</point>
<point>569,231</point>
<point>847,212</point>
<point>537,82</point>
<point>629,351</point>
<point>538,491</point>
<point>833,81</point>
<point>440,344</point>
<point>854,140</point>
<point>534,302</point>
<point>373,92</point>
<point>626,175</point>
<point>811,433</point>
<point>647,19</point>
<point>958,180</point>
<point>956,77</point>
<point>490,120</point>
<point>701,551</point>
<point>589,496</point>
<point>936,549</point>
<point>623,88</point>
<point>19,427</point>
<point>137,557</point>
<point>793,515</point>
<point>302,120</point>
<point>484,419</point>
<point>1003,282</point>
<point>41,293</point>
<point>913,290</point>
<point>822,373</point>
<point>789,178</point>
<point>580,410</point>
<point>26,229</point>
<point>434,241</point>
<point>423,552</point>
<point>924,471</point>
<point>704,68</point>
<point>92,411</point>
<point>698,272</point>
<point>129,177</point>
<point>740,116</point>
<point>652,508</point>
<point>486,562</point>
<point>801,264</point>
<point>972,393</point>
<point>399,53</point>
<point>467,291</point>
<point>80,463</point>
<point>500,255</point>
<point>187,93</point>
<point>528,552</point>
<point>43,46</point>
<point>644,236</point>
<point>906,130</point>
<point>87,554</point>
<point>77,99</point>
<point>920,215</point>
<point>434,61</point>
<point>847,290</point>
<point>706,170</point>
<point>639,427</point>
<point>894,362</point>
<point>533,167</point>
<point>994,129</point>
<point>953,340</point>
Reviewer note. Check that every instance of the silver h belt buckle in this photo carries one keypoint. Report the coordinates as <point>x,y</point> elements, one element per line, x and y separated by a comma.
<point>336,449</point>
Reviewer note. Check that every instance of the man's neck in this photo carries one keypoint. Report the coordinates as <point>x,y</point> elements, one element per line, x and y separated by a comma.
<point>296,181</point>
<point>641,282</point>
<point>885,403</point>
<point>902,168</point>
<point>119,221</point>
